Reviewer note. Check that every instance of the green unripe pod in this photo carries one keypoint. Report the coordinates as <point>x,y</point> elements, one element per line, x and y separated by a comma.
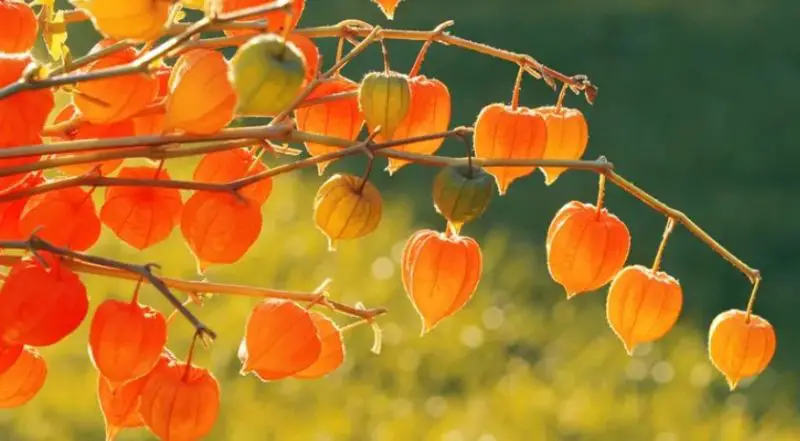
<point>461,194</point>
<point>384,99</point>
<point>267,73</point>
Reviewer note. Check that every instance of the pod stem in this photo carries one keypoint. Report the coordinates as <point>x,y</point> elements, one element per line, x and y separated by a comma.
<point>601,193</point>
<point>159,168</point>
<point>664,238</point>
<point>365,178</point>
<point>135,297</point>
<point>339,50</point>
<point>517,87</point>
<point>437,32</point>
<point>385,51</point>
<point>752,301</point>
<point>561,96</point>
<point>190,356</point>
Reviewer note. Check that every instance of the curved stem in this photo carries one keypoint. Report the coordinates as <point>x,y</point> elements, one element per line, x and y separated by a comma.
<point>189,357</point>
<point>135,298</point>
<point>561,96</point>
<point>601,193</point>
<point>367,172</point>
<point>660,253</point>
<point>425,46</point>
<point>517,88</point>
<point>752,301</point>
<point>385,51</point>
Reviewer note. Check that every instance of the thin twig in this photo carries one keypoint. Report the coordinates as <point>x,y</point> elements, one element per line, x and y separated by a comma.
<point>131,271</point>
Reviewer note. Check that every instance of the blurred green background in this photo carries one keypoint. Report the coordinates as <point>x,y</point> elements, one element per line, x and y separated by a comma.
<point>694,102</point>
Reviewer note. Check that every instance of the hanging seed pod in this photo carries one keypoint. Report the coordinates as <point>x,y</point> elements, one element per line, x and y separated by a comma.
<point>346,207</point>
<point>585,247</point>
<point>131,19</point>
<point>267,73</point>
<point>567,137</point>
<point>281,339</point>
<point>740,346</point>
<point>20,26</point>
<point>428,113</point>
<point>462,193</point>
<point>276,20</point>
<point>22,380</point>
<point>120,406</point>
<point>440,273</point>
<point>341,118</point>
<point>643,305</point>
<point>384,99</point>
<point>505,132</point>
<point>332,354</point>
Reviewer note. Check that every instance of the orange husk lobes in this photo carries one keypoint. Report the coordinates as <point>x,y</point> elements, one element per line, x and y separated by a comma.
<point>428,113</point>
<point>440,274</point>
<point>126,339</point>
<point>276,20</point>
<point>116,98</point>
<point>332,353</point>
<point>502,132</point>
<point>11,211</point>
<point>88,130</point>
<point>20,27</point>
<point>9,353</point>
<point>23,380</point>
<point>140,20</point>
<point>219,228</point>
<point>201,99</point>
<point>310,52</point>
<point>40,306</point>
<point>230,165</point>
<point>280,340</point>
<point>341,118</point>
<point>142,216</point>
<point>120,405</point>
<point>642,305</point>
<point>738,347</point>
<point>177,404</point>
<point>64,217</point>
<point>388,7</point>
<point>567,137</point>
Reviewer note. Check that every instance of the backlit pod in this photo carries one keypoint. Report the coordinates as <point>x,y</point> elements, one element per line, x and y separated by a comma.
<point>739,346</point>
<point>384,99</point>
<point>20,26</point>
<point>23,380</point>
<point>567,137</point>
<point>132,19</point>
<point>346,208</point>
<point>276,20</point>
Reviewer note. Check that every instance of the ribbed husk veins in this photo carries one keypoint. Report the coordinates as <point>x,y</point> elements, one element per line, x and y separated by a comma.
<point>385,99</point>
<point>345,211</point>
<point>462,193</point>
<point>267,74</point>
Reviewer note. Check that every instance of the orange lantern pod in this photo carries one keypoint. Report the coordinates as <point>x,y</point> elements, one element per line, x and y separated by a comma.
<point>65,217</point>
<point>126,339</point>
<point>23,380</point>
<point>180,402</point>
<point>440,273</point>
<point>332,353</point>
<point>740,345</point>
<point>567,137</point>
<point>586,247</point>
<point>219,228</point>
<point>142,216</point>
<point>310,52</point>
<point>41,306</point>
<point>22,115</point>
<point>11,211</point>
<point>9,353</point>
<point>280,340</point>
<point>643,305</point>
<point>428,113</point>
<point>20,26</point>
<point>201,99</point>
<point>86,130</point>
<point>506,132</point>
<point>276,20</point>
<point>117,98</point>
<point>151,120</point>
<point>230,165</point>
<point>388,7</point>
<point>341,118</point>
<point>120,406</point>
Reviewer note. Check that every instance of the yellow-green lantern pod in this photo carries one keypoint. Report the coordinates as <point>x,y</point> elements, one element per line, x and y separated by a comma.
<point>461,193</point>
<point>346,207</point>
<point>267,73</point>
<point>384,98</point>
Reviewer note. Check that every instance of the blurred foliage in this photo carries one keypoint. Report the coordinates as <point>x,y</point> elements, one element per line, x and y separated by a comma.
<point>693,102</point>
